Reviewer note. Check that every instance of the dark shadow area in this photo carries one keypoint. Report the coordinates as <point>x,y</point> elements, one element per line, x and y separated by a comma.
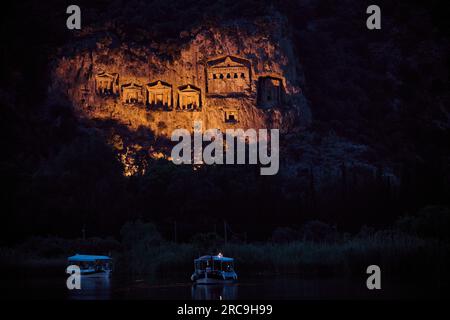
<point>63,176</point>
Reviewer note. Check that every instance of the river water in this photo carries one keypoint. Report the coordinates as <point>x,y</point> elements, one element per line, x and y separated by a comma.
<point>178,288</point>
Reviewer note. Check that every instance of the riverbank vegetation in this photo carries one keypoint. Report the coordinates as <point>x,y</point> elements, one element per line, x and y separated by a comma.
<point>414,246</point>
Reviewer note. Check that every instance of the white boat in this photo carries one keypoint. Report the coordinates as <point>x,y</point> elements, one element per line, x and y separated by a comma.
<point>214,270</point>
<point>92,265</point>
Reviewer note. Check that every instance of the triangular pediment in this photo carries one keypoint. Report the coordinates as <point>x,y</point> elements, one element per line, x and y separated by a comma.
<point>132,86</point>
<point>105,75</point>
<point>159,85</point>
<point>189,88</point>
<point>228,61</point>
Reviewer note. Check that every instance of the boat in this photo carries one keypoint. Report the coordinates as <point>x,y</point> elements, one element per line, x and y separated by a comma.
<point>214,270</point>
<point>92,265</point>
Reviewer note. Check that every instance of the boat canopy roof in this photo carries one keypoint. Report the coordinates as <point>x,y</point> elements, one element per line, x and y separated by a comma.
<point>215,258</point>
<point>87,257</point>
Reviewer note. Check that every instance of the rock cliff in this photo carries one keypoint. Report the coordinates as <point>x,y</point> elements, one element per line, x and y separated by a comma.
<point>263,46</point>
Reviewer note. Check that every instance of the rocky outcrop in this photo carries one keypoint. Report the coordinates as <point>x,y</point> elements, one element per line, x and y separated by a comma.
<point>265,47</point>
<point>263,58</point>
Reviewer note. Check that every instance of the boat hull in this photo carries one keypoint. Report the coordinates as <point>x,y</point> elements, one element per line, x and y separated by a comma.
<point>214,281</point>
<point>214,278</point>
<point>95,274</point>
<point>214,270</point>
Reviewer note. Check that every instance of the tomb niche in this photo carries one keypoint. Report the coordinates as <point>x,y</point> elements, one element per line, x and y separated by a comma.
<point>106,84</point>
<point>228,75</point>
<point>231,116</point>
<point>189,98</point>
<point>270,91</point>
<point>84,94</point>
<point>159,95</point>
<point>132,93</point>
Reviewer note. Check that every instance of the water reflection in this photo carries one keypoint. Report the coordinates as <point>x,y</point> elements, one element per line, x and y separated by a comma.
<point>214,292</point>
<point>96,286</point>
<point>278,288</point>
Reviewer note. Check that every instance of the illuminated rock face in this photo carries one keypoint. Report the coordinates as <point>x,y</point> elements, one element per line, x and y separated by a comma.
<point>133,93</point>
<point>107,84</point>
<point>189,98</point>
<point>225,78</point>
<point>159,95</point>
<point>228,75</point>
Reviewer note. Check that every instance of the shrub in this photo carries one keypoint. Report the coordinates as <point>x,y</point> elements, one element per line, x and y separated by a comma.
<point>430,222</point>
<point>318,231</point>
<point>284,235</point>
<point>139,234</point>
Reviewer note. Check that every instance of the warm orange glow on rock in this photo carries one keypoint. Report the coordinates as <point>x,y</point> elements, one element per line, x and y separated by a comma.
<point>222,91</point>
